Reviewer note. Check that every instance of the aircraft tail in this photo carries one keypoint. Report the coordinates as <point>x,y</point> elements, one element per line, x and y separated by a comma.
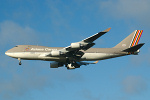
<point>130,41</point>
<point>134,48</point>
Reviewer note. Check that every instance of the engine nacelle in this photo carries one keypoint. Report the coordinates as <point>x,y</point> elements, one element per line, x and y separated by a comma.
<point>55,53</point>
<point>75,45</point>
<point>56,64</point>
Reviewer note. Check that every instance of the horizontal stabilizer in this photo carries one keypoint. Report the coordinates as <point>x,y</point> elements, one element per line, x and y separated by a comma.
<point>134,48</point>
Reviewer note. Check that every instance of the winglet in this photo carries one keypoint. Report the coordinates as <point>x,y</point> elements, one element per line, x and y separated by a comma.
<point>107,30</point>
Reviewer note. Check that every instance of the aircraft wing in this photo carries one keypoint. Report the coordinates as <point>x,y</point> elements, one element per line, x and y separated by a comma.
<point>95,36</point>
<point>86,43</point>
<point>75,48</point>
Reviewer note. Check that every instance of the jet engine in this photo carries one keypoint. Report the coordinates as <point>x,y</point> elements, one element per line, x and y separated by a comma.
<point>55,53</point>
<point>56,64</point>
<point>75,45</point>
<point>79,45</point>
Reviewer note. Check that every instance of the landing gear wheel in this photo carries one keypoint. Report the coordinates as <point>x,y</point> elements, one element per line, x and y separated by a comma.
<point>20,63</point>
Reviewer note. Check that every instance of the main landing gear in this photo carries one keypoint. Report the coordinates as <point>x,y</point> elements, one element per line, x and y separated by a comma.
<point>72,64</point>
<point>19,61</point>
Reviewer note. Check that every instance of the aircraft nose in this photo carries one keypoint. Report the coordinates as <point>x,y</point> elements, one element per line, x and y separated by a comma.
<point>6,53</point>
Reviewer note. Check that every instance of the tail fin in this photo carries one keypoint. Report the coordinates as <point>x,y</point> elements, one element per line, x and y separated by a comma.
<point>131,40</point>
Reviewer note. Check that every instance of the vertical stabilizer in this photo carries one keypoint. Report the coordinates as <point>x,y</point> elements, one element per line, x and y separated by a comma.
<point>131,40</point>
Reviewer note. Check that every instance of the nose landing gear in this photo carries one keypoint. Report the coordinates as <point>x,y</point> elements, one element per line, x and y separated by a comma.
<point>19,61</point>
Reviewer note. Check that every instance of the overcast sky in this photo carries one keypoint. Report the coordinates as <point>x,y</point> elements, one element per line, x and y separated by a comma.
<point>58,23</point>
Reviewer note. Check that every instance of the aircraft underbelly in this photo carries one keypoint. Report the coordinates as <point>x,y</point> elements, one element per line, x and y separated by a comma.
<point>34,56</point>
<point>41,56</point>
<point>24,55</point>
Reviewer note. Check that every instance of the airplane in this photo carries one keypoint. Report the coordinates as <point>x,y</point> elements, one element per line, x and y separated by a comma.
<point>77,53</point>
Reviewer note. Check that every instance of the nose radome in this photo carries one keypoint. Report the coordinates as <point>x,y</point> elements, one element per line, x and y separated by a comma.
<point>6,53</point>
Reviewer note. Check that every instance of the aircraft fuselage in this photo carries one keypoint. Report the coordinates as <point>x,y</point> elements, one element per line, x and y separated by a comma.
<point>33,52</point>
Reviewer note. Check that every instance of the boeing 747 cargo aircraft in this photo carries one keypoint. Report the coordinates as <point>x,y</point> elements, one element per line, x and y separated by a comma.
<point>74,55</point>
